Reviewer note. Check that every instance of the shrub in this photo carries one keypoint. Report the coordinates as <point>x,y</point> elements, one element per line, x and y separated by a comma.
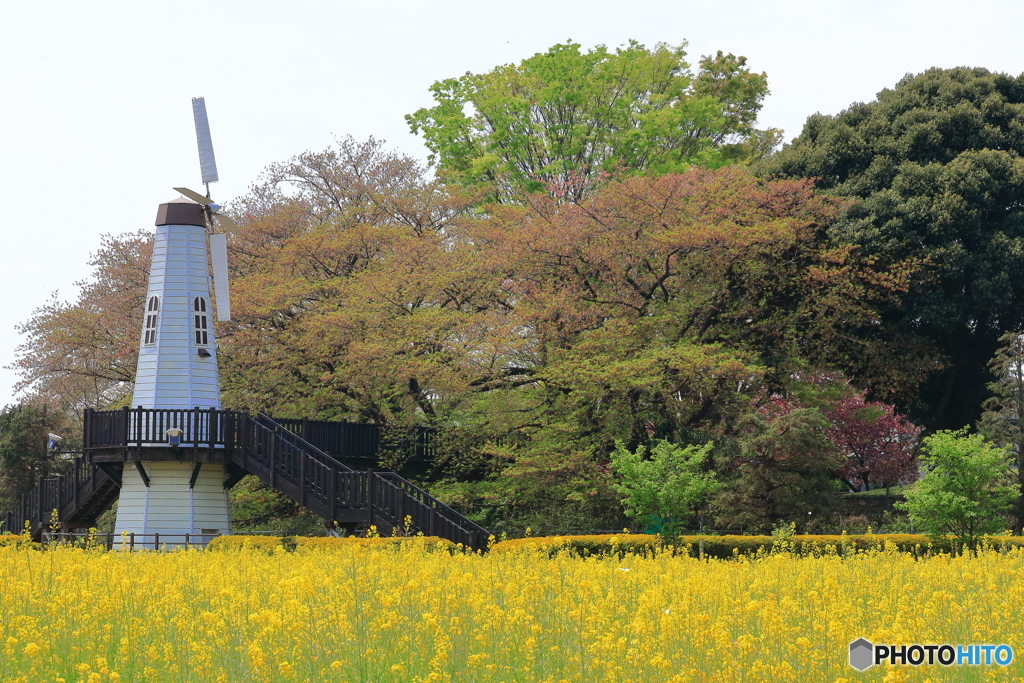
<point>305,544</point>
<point>723,547</point>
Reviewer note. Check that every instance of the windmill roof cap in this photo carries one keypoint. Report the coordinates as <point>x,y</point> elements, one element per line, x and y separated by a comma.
<point>180,212</point>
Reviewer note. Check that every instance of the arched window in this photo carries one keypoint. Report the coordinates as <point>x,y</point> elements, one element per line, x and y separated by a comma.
<point>199,309</point>
<point>152,309</point>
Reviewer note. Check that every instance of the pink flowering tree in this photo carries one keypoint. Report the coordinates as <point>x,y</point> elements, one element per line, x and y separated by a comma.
<point>879,446</point>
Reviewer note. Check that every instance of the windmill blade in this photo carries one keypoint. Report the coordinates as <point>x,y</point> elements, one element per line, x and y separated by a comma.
<point>207,162</point>
<point>227,222</point>
<point>195,196</point>
<point>219,257</point>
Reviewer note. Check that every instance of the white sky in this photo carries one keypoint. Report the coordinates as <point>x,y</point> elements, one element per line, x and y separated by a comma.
<point>97,125</point>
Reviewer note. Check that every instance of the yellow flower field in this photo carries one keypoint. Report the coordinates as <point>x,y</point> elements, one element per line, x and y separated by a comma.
<point>375,613</point>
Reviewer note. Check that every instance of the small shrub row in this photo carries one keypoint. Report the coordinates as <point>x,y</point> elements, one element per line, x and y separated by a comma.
<point>7,540</point>
<point>300,544</point>
<point>729,546</point>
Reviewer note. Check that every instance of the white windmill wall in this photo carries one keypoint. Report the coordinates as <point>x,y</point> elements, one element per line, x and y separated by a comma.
<point>168,506</point>
<point>172,375</point>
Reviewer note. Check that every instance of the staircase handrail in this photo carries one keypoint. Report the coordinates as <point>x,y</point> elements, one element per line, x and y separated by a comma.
<point>422,496</point>
<point>286,434</point>
<point>52,493</point>
<point>460,521</point>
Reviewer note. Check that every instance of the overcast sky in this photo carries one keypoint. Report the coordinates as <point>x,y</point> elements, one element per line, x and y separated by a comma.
<point>97,125</point>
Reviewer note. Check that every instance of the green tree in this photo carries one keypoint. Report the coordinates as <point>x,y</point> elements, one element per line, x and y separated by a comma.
<point>782,468</point>
<point>936,167</point>
<point>665,489</point>
<point>1002,421</point>
<point>968,489</point>
<point>23,456</point>
<point>564,116</point>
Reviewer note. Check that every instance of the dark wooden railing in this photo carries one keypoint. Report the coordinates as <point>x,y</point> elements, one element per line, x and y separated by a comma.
<point>343,438</point>
<point>67,493</point>
<point>273,450</point>
<point>138,427</point>
<point>333,491</point>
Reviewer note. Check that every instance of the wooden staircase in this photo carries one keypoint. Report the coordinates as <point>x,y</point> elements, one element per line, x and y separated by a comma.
<point>260,445</point>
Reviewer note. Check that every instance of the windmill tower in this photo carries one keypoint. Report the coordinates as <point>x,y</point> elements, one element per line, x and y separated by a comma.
<point>177,368</point>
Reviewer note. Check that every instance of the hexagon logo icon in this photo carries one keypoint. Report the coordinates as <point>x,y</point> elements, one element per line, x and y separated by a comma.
<point>861,654</point>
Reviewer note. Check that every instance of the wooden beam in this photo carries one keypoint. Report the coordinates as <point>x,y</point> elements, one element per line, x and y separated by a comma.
<point>142,473</point>
<point>235,474</point>
<point>195,475</point>
<point>111,471</point>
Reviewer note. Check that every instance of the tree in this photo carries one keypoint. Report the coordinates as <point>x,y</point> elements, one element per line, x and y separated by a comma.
<point>1002,421</point>
<point>936,165</point>
<point>23,455</point>
<point>83,354</point>
<point>564,117</point>
<point>968,488</point>
<point>879,444</point>
<point>665,489</point>
<point>781,469</point>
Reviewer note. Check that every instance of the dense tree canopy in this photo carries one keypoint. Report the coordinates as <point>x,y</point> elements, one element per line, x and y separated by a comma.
<point>936,166</point>
<point>565,116</point>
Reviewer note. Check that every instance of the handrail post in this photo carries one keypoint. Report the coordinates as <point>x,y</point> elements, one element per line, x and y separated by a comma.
<point>138,427</point>
<point>125,427</point>
<point>369,495</point>
<point>303,455</point>
<point>331,491</point>
<point>86,429</point>
<point>273,460</point>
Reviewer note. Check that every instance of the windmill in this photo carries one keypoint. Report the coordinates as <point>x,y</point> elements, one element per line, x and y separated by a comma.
<point>179,489</point>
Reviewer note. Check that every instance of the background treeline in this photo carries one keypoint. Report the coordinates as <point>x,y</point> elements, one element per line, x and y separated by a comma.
<point>607,253</point>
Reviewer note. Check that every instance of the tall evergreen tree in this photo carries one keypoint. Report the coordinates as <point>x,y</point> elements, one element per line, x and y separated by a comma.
<point>936,167</point>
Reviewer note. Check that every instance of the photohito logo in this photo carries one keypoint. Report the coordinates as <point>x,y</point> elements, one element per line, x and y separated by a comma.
<point>864,655</point>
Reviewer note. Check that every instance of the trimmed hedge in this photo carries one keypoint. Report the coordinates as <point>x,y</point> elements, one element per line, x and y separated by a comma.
<point>722,547</point>
<point>8,540</point>
<point>301,544</point>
